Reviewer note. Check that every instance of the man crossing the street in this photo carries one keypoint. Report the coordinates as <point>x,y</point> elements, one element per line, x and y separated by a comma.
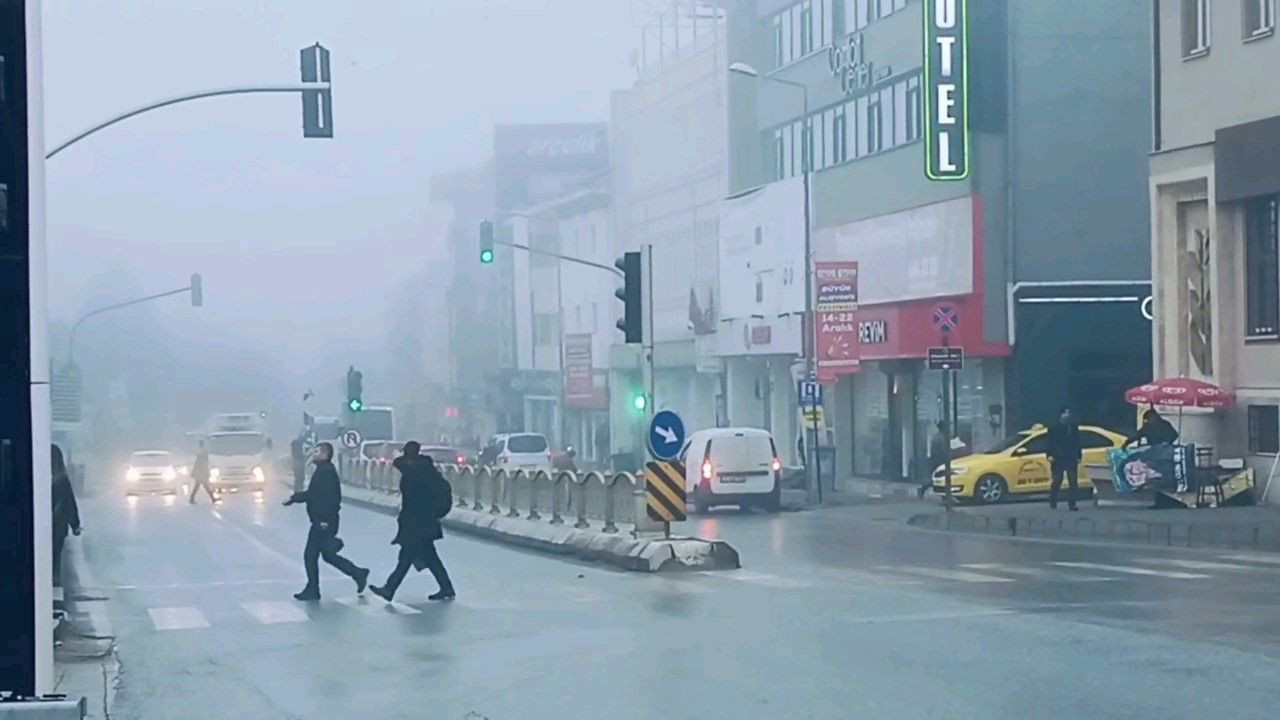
<point>1064,458</point>
<point>323,498</point>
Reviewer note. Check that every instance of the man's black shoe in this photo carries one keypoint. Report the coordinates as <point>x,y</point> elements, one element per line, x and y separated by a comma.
<point>362,579</point>
<point>307,595</point>
<point>444,594</point>
<point>381,592</point>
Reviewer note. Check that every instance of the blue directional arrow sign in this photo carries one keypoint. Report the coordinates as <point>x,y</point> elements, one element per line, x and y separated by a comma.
<point>666,435</point>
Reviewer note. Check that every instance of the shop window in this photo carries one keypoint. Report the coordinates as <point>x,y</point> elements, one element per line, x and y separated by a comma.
<point>1262,268</point>
<point>1264,429</point>
<point>1196,29</point>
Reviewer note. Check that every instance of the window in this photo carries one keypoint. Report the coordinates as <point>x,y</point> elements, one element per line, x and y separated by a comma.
<point>1038,445</point>
<point>1259,18</point>
<point>827,23</point>
<point>875,122</point>
<point>759,289</point>
<point>797,50</point>
<point>806,27</point>
<point>779,59</point>
<point>913,109</point>
<point>806,135</point>
<point>779,150</point>
<point>1262,268</point>
<point>857,14</point>
<point>1195,27</point>
<point>785,34</point>
<point>886,118</point>
<point>839,136</point>
<point>1090,440</point>
<point>899,114</point>
<point>1264,429</point>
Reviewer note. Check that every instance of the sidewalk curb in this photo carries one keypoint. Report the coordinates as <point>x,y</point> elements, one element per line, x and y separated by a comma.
<point>1136,532</point>
<point>617,549</point>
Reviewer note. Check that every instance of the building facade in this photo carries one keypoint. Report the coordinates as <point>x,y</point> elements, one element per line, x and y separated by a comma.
<point>1033,256</point>
<point>1215,198</point>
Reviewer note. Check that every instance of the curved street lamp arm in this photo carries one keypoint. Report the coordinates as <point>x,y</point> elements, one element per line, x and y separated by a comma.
<point>71,342</point>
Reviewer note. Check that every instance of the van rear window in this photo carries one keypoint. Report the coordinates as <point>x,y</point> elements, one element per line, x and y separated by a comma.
<point>742,452</point>
<point>526,444</point>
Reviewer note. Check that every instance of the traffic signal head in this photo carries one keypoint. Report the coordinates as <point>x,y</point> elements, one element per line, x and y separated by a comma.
<point>197,290</point>
<point>639,402</point>
<point>355,390</point>
<point>355,404</point>
<point>629,294</point>
<point>486,242</point>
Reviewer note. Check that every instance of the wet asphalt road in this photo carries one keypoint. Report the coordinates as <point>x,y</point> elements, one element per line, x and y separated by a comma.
<point>840,613</point>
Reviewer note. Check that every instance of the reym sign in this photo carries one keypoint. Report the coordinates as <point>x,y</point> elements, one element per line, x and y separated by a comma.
<point>946,85</point>
<point>873,332</point>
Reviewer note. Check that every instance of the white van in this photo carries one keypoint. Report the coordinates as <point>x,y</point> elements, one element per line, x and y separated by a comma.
<point>523,451</point>
<point>732,466</point>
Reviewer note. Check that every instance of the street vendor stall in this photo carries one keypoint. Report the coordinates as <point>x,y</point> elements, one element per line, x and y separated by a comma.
<point>1174,473</point>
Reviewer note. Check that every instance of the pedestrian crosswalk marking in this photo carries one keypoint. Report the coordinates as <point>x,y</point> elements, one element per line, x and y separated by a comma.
<point>177,618</point>
<point>1039,573</point>
<point>1201,564</point>
<point>272,612</point>
<point>377,606</point>
<point>765,579</point>
<point>471,604</point>
<point>1171,574</point>
<point>944,574</point>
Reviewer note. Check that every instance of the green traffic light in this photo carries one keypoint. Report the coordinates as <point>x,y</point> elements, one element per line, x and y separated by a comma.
<point>486,256</point>
<point>355,404</point>
<point>639,402</point>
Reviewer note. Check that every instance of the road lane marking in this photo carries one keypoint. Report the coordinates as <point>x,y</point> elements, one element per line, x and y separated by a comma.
<point>944,574</point>
<point>1252,557</point>
<point>177,618</point>
<point>272,612</point>
<point>1038,573</point>
<point>470,604</point>
<point>756,578</point>
<point>1201,564</point>
<point>1171,574</point>
<point>377,608</point>
<point>925,617</point>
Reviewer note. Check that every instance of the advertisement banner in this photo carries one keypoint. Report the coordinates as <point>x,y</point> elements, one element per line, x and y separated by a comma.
<point>579,375</point>
<point>835,303</point>
<point>1163,468</point>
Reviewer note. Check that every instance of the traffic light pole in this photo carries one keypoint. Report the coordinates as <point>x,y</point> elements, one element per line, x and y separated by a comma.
<point>566,258</point>
<point>71,341</point>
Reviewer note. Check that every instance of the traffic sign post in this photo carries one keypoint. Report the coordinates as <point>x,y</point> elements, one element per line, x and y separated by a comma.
<point>666,435</point>
<point>809,393</point>
<point>351,438</point>
<point>665,494</point>
<point>947,360</point>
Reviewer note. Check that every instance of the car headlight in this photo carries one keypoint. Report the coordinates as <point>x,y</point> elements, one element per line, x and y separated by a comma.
<point>214,473</point>
<point>259,475</point>
<point>959,470</point>
<point>170,474</point>
<point>132,475</point>
<point>184,470</point>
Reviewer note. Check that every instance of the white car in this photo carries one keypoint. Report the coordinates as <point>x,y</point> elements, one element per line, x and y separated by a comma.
<point>523,451</point>
<point>732,466</point>
<point>150,472</point>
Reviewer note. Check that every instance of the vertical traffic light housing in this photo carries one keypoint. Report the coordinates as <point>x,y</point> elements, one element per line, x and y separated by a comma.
<point>355,389</point>
<point>629,294</point>
<point>197,290</point>
<point>486,242</point>
<point>317,105</point>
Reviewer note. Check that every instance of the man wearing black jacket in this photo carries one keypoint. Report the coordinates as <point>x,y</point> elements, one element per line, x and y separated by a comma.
<point>1064,457</point>
<point>323,497</point>
<point>418,525</point>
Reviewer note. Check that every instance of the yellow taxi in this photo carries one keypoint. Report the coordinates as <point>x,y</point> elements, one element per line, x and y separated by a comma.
<point>1019,466</point>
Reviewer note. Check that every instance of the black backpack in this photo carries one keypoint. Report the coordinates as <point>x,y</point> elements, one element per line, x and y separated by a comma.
<point>441,494</point>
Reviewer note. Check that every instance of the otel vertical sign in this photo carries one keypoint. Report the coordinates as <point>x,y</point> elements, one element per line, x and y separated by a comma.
<point>946,82</point>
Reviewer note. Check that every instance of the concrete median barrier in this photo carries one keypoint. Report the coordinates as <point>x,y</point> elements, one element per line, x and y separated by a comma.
<point>587,516</point>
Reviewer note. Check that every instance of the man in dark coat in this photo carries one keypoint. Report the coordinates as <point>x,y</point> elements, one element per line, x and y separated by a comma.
<point>200,475</point>
<point>323,497</point>
<point>1155,430</point>
<point>418,524</point>
<point>1064,458</point>
<point>66,513</point>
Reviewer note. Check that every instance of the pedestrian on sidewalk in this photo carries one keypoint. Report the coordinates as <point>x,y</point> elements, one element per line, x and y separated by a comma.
<point>200,475</point>
<point>1155,430</point>
<point>323,498</point>
<point>1064,458</point>
<point>425,497</point>
<point>939,448</point>
<point>66,513</point>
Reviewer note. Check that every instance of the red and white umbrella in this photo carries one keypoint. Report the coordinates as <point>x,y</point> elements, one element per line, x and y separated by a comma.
<point>1180,392</point>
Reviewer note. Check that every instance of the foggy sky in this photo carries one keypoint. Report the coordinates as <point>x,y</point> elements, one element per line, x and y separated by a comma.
<point>302,243</point>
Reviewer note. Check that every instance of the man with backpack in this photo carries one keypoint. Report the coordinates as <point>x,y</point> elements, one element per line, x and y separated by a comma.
<point>425,498</point>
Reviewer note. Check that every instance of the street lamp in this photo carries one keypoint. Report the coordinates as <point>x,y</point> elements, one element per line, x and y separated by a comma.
<point>813,470</point>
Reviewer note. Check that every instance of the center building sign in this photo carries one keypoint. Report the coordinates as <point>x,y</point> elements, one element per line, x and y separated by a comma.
<point>946,89</point>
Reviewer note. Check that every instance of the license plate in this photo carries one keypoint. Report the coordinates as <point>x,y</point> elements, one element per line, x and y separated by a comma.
<point>732,479</point>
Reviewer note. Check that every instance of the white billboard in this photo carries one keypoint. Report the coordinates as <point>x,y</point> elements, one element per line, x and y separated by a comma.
<point>910,255</point>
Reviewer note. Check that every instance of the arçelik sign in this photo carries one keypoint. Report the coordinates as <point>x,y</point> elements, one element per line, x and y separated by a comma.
<point>946,84</point>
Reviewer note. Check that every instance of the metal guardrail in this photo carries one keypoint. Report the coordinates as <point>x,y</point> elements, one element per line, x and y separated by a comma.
<point>611,501</point>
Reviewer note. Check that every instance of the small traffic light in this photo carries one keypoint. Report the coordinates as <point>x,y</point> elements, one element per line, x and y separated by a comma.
<point>355,389</point>
<point>639,402</point>
<point>629,294</point>
<point>486,242</point>
<point>197,290</point>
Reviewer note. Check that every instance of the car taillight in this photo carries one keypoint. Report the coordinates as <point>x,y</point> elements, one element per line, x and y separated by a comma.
<point>461,459</point>
<point>777,464</point>
<point>707,470</point>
